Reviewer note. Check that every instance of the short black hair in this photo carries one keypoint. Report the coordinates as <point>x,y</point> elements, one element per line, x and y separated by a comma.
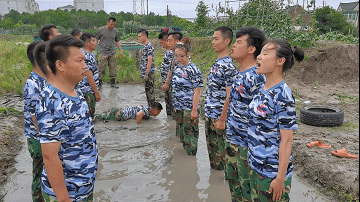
<point>163,35</point>
<point>111,19</point>
<point>75,32</point>
<point>30,50</point>
<point>40,57</point>
<point>177,35</point>
<point>226,33</point>
<point>157,105</point>
<point>86,36</point>
<point>58,49</point>
<point>255,38</point>
<point>46,31</point>
<point>143,31</point>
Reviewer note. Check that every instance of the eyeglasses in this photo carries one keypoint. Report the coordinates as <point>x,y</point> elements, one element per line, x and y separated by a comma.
<point>180,56</point>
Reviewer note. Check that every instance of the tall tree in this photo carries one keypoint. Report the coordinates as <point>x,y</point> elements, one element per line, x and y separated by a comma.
<point>202,20</point>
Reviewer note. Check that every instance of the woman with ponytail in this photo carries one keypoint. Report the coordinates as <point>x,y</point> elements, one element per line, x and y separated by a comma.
<point>187,82</point>
<point>271,125</point>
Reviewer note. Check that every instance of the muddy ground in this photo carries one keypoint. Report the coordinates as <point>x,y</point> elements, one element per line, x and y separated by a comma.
<point>329,76</point>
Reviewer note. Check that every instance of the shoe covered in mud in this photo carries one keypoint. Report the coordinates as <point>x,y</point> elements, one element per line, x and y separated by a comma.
<point>113,84</point>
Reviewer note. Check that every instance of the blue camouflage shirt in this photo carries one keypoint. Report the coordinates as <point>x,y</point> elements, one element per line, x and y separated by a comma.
<point>220,76</point>
<point>66,119</point>
<point>184,81</point>
<point>147,52</point>
<point>245,86</point>
<point>270,111</point>
<point>165,65</point>
<point>32,89</point>
<point>90,61</point>
<point>131,112</point>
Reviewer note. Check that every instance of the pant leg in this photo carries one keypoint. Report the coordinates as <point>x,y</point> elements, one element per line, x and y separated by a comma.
<point>91,102</point>
<point>112,66</point>
<point>112,114</point>
<point>48,198</point>
<point>191,133</point>
<point>149,90</point>
<point>34,148</point>
<point>102,65</point>
<point>231,171</point>
<point>243,173</point>
<point>179,116</point>
<point>168,101</point>
<point>215,140</point>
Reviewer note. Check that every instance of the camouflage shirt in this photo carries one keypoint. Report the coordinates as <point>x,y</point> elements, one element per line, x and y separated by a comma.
<point>147,52</point>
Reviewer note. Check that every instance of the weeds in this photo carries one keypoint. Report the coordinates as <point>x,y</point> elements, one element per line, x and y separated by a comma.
<point>348,127</point>
<point>343,98</point>
<point>5,111</point>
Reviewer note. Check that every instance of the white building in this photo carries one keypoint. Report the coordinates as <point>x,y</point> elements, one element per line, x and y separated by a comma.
<point>27,6</point>
<point>91,5</point>
<point>350,11</point>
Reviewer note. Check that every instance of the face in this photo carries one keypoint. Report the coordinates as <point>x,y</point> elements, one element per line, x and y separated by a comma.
<point>141,38</point>
<point>240,49</point>
<point>218,42</point>
<point>55,33</point>
<point>181,56</point>
<point>164,43</point>
<point>110,25</point>
<point>91,44</point>
<point>74,68</point>
<point>155,111</point>
<point>267,61</point>
<point>172,42</point>
<point>78,36</point>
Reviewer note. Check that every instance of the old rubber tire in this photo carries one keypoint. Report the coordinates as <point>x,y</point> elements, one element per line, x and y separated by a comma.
<point>321,116</point>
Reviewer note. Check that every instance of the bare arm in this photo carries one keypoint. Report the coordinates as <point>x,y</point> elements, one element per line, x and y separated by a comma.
<point>167,82</point>
<point>196,100</point>
<point>139,117</point>
<point>35,123</point>
<point>93,86</point>
<point>119,47</point>
<point>277,186</point>
<point>220,124</point>
<point>54,170</point>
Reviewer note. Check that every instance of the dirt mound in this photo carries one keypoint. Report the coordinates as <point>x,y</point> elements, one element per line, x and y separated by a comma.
<point>327,65</point>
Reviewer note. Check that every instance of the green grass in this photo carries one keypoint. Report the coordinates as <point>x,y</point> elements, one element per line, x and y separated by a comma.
<point>348,127</point>
<point>4,111</point>
<point>343,98</point>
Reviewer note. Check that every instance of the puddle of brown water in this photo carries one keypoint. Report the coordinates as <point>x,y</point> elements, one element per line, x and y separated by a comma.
<point>126,174</point>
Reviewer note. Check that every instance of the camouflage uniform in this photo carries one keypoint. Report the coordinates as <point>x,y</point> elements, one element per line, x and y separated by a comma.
<point>123,114</point>
<point>179,118</point>
<point>190,130</point>
<point>149,89</point>
<point>48,198</point>
<point>215,140</point>
<point>231,171</point>
<point>34,148</point>
<point>148,51</point>
<point>91,102</point>
<point>164,69</point>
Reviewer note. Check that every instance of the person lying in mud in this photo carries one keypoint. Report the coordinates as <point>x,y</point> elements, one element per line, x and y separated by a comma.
<point>123,114</point>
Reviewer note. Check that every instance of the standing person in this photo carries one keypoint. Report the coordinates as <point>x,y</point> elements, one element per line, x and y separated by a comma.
<point>187,82</point>
<point>76,33</point>
<point>66,129</point>
<point>147,65</point>
<point>89,84</point>
<point>245,85</point>
<point>173,39</point>
<point>32,89</point>
<point>218,86</point>
<point>40,58</point>
<point>108,36</point>
<point>164,69</point>
<point>48,32</point>
<point>271,125</point>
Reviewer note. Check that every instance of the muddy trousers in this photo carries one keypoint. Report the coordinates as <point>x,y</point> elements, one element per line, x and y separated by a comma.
<point>237,172</point>
<point>49,198</point>
<point>168,102</point>
<point>188,130</point>
<point>91,102</point>
<point>111,60</point>
<point>111,114</point>
<point>149,90</point>
<point>261,185</point>
<point>215,140</point>
<point>34,148</point>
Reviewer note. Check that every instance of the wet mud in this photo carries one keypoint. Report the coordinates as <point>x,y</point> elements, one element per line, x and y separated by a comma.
<point>146,162</point>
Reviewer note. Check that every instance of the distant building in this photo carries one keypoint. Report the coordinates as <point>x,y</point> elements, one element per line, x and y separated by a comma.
<point>21,6</point>
<point>68,7</point>
<point>91,5</point>
<point>298,11</point>
<point>350,11</point>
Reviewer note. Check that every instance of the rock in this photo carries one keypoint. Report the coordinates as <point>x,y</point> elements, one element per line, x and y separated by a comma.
<point>307,102</point>
<point>146,153</point>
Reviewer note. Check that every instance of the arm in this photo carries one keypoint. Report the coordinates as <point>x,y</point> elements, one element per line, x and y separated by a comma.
<point>148,67</point>
<point>35,123</point>
<point>277,186</point>
<point>92,83</point>
<point>139,117</point>
<point>196,100</point>
<point>54,170</point>
<point>220,124</point>
<point>167,82</point>
<point>119,47</point>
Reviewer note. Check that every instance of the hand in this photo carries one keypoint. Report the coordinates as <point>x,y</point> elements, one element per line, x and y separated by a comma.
<point>97,97</point>
<point>121,54</point>
<point>193,114</point>
<point>146,77</point>
<point>220,125</point>
<point>165,87</point>
<point>277,187</point>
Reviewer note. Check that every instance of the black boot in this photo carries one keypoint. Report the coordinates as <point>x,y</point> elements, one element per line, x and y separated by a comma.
<point>113,84</point>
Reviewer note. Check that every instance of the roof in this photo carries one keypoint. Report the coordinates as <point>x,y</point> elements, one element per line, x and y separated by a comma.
<point>67,7</point>
<point>348,6</point>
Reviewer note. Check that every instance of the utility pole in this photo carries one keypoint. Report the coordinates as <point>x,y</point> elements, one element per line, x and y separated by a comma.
<point>147,12</point>
<point>324,3</point>
<point>168,16</point>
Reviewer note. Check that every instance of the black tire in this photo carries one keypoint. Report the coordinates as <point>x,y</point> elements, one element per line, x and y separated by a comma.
<point>321,116</point>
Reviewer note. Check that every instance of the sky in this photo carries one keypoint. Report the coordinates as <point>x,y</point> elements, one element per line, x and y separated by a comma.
<point>181,8</point>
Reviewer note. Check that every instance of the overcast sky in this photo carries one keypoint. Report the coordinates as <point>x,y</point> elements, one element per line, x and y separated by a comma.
<point>181,8</point>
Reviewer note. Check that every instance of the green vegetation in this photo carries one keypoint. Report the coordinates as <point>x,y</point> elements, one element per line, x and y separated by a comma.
<point>348,127</point>
<point>4,111</point>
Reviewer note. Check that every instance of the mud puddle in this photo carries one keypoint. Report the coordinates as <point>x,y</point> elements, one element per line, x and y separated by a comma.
<point>146,162</point>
